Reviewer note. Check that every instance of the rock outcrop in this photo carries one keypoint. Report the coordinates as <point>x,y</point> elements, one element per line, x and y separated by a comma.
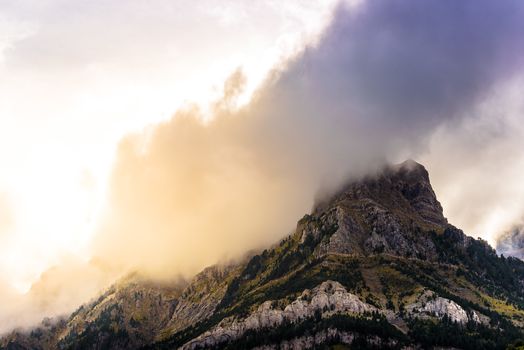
<point>375,264</point>
<point>378,215</point>
<point>327,299</point>
<point>430,304</point>
<point>199,300</point>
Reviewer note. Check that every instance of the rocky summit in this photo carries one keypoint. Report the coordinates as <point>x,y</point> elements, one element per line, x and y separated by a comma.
<point>376,265</point>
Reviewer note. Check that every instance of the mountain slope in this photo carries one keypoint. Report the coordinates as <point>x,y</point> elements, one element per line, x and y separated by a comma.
<point>374,265</point>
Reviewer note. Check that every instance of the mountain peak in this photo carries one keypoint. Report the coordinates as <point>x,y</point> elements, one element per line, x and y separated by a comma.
<point>377,260</point>
<point>380,214</point>
<point>402,187</point>
<point>410,164</point>
<point>412,180</point>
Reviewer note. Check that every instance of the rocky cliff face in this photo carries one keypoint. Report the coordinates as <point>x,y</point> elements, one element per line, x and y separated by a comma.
<point>383,214</point>
<point>404,186</point>
<point>132,313</point>
<point>200,299</point>
<point>327,299</point>
<point>375,265</point>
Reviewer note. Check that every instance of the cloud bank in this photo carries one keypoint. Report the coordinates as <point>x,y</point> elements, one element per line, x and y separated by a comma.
<point>389,79</point>
<point>382,80</point>
<point>477,164</point>
<point>6,216</point>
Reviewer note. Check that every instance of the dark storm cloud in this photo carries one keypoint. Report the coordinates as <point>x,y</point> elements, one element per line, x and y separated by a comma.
<point>379,82</point>
<point>400,66</point>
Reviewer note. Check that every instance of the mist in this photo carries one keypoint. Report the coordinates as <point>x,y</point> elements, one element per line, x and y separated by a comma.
<point>511,243</point>
<point>388,80</point>
<point>6,218</point>
<point>59,290</point>
<point>381,82</point>
<point>476,165</point>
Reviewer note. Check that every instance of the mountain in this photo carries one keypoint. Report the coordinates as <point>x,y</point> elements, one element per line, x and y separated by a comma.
<point>375,265</point>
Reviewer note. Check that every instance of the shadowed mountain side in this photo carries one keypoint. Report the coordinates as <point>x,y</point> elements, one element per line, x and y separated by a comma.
<point>375,265</point>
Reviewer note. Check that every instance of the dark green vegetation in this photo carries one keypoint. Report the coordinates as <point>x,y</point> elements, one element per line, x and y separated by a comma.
<point>363,326</point>
<point>470,336</point>
<point>479,263</point>
<point>384,239</point>
<point>401,278</point>
<point>454,266</point>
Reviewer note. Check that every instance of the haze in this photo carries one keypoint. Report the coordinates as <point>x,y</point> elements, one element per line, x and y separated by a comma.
<point>166,136</point>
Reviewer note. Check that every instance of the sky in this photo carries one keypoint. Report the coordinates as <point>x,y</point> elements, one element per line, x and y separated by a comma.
<point>77,76</point>
<point>151,135</point>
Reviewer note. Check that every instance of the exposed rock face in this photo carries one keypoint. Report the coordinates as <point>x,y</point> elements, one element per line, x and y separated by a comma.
<point>429,304</point>
<point>376,215</point>
<point>135,309</point>
<point>370,264</point>
<point>441,307</point>
<point>328,298</point>
<point>406,185</point>
<point>412,180</point>
<point>140,312</point>
<point>199,300</point>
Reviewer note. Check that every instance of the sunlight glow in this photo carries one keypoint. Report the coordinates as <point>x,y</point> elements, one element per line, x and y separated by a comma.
<point>61,121</point>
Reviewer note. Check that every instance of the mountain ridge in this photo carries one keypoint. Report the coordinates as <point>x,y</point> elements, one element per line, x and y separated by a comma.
<point>376,265</point>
